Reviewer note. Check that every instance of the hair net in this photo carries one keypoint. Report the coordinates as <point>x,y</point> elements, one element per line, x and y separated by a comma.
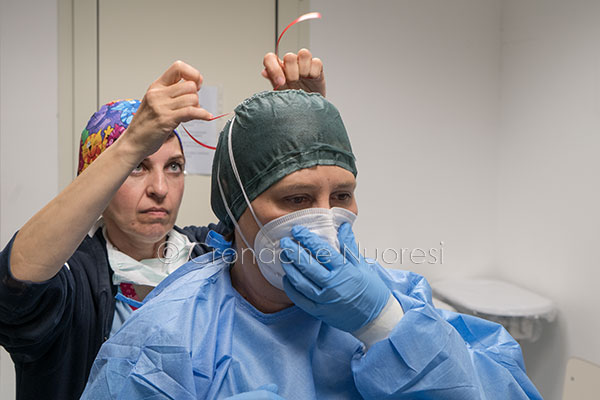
<point>274,134</point>
<point>104,127</point>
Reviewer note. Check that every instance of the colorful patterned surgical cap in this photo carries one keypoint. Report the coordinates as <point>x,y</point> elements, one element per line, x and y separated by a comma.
<point>104,127</point>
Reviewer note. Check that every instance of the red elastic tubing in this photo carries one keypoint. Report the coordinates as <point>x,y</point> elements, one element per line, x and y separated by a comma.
<point>303,17</point>
<point>196,140</point>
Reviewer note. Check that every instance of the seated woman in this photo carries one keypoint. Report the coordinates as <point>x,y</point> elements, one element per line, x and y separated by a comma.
<point>60,273</point>
<point>291,306</point>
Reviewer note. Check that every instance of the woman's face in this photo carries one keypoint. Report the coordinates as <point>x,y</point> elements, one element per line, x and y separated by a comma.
<point>145,207</point>
<point>322,186</point>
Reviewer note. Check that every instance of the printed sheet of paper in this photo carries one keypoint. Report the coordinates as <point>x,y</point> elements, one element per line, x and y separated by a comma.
<point>198,159</point>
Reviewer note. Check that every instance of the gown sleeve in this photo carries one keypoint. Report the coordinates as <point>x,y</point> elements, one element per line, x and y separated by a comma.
<point>435,353</point>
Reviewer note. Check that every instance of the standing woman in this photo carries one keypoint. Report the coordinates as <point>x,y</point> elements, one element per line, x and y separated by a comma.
<point>60,273</point>
<point>56,288</point>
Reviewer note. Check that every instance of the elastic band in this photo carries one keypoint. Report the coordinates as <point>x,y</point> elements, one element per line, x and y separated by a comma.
<point>304,17</point>
<point>196,140</point>
<point>228,210</point>
<point>237,175</point>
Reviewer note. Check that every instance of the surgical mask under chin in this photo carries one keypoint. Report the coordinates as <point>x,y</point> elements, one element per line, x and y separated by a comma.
<point>267,250</point>
<point>175,252</point>
<point>320,221</point>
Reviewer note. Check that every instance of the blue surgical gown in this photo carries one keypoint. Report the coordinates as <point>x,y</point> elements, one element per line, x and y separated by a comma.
<point>195,337</point>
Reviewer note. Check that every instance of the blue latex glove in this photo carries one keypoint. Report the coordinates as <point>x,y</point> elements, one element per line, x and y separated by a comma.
<point>340,289</point>
<point>265,392</point>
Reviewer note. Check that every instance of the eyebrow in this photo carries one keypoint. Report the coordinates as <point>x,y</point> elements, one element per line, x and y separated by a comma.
<point>292,187</point>
<point>346,186</point>
<point>179,157</point>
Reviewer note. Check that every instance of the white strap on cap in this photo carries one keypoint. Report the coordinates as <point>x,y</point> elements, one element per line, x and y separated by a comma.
<point>228,210</point>
<point>237,175</point>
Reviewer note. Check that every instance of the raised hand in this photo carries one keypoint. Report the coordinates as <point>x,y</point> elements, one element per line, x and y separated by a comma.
<point>295,71</point>
<point>170,100</point>
<point>336,287</point>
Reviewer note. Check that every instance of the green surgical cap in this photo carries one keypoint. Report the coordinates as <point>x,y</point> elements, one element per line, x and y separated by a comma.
<point>274,134</point>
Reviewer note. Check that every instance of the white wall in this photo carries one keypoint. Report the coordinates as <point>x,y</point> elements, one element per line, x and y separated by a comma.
<point>28,122</point>
<point>417,84</point>
<point>549,164</point>
<point>476,123</point>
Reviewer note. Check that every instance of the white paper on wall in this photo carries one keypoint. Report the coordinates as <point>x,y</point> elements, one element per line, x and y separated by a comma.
<point>198,159</point>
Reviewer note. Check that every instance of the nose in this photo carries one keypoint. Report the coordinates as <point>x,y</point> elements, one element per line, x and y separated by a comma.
<point>158,186</point>
<point>322,201</point>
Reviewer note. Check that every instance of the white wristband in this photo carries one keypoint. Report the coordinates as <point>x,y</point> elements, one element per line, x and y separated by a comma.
<point>380,327</point>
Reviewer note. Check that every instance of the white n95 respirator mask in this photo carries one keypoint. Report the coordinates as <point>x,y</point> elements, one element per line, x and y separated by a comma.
<point>320,221</point>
